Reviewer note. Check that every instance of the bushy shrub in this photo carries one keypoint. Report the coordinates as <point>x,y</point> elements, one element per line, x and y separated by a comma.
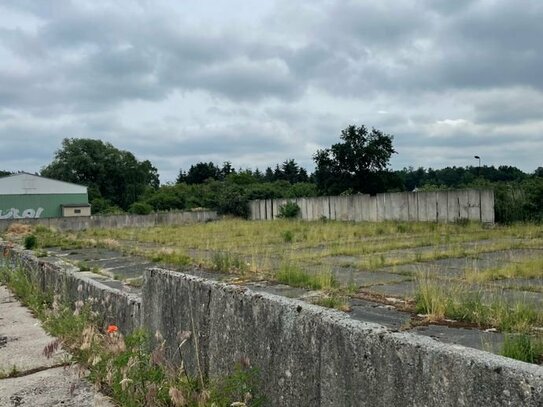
<point>30,242</point>
<point>141,208</point>
<point>289,210</point>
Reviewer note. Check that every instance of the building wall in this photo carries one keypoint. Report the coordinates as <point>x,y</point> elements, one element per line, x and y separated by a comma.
<point>37,206</point>
<point>76,211</point>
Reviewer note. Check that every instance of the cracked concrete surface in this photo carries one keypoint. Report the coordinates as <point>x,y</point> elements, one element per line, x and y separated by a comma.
<point>37,380</point>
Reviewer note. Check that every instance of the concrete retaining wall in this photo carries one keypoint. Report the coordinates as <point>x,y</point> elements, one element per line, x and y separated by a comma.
<point>116,221</point>
<point>112,306</point>
<point>306,355</point>
<point>310,356</point>
<point>436,206</point>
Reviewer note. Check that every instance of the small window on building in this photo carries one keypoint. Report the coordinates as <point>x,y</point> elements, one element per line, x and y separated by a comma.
<point>77,210</point>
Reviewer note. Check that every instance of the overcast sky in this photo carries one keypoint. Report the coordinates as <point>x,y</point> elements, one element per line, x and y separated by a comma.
<point>257,82</point>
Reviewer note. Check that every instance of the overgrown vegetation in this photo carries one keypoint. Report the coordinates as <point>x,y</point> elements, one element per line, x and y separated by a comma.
<point>290,210</point>
<point>484,308</point>
<point>302,254</point>
<point>528,269</point>
<point>30,242</point>
<point>334,299</point>
<point>523,347</point>
<point>357,163</point>
<point>294,276</point>
<point>126,368</point>
<point>456,301</point>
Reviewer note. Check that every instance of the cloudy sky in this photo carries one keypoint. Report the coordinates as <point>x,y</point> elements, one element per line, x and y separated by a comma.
<point>257,82</point>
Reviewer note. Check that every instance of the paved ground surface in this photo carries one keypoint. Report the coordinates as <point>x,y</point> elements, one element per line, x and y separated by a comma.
<point>111,266</point>
<point>35,379</point>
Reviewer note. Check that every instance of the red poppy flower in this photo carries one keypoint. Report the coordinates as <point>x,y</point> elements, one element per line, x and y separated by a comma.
<point>112,328</point>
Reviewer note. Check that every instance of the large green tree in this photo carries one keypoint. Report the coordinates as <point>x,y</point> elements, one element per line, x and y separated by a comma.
<point>358,163</point>
<point>114,177</point>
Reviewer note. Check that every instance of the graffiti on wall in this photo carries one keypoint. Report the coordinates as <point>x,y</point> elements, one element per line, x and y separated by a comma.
<point>15,213</point>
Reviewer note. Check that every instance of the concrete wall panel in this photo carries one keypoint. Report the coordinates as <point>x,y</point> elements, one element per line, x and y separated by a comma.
<point>388,206</point>
<point>302,203</point>
<point>421,206</point>
<point>381,213</point>
<point>262,204</point>
<point>269,209</point>
<point>487,206</point>
<point>400,206</point>
<point>463,202</point>
<point>413,207</point>
<point>442,199</point>
<point>353,210</point>
<point>453,206</point>
<point>474,205</point>
<point>340,208</point>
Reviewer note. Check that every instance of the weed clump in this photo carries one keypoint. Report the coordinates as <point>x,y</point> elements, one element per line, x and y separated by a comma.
<point>227,262</point>
<point>290,210</point>
<point>523,347</point>
<point>439,301</point>
<point>30,242</point>
<point>294,276</point>
<point>335,301</point>
<point>170,256</point>
<point>288,236</point>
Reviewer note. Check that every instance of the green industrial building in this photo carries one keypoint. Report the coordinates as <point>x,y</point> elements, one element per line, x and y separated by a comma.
<point>25,195</point>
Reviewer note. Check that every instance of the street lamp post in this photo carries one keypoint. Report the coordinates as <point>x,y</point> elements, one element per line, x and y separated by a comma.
<point>478,158</point>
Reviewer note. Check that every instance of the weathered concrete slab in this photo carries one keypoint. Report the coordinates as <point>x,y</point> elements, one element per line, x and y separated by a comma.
<point>405,289</point>
<point>278,289</point>
<point>472,338</point>
<point>53,387</point>
<point>378,313</point>
<point>39,380</point>
<point>22,339</point>
<point>347,275</point>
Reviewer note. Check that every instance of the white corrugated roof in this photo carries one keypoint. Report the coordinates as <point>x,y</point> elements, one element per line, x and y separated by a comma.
<point>29,184</point>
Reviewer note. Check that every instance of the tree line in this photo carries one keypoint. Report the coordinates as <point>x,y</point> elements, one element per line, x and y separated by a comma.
<point>358,163</point>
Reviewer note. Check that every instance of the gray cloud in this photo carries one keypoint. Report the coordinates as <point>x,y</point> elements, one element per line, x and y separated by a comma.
<point>256,85</point>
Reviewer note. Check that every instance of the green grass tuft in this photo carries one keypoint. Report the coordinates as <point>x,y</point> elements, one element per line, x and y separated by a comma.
<point>523,347</point>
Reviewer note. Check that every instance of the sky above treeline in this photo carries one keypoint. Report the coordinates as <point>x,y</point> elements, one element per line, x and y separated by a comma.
<point>259,82</point>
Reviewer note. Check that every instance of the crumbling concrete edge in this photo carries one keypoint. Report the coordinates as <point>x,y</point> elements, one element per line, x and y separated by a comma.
<point>61,278</point>
<point>312,356</point>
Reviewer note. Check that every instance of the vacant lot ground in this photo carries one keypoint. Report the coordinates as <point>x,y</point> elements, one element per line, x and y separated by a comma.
<point>435,279</point>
